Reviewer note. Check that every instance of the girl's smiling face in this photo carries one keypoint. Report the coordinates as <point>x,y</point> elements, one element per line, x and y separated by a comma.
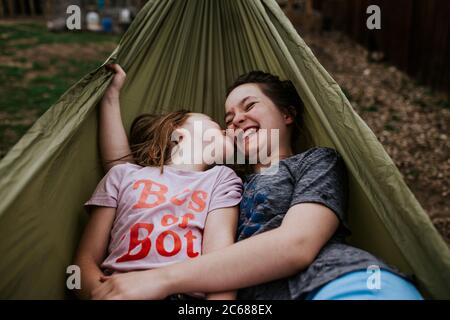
<point>249,109</point>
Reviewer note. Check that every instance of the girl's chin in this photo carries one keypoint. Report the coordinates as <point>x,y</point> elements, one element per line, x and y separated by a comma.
<point>251,152</point>
<point>255,146</point>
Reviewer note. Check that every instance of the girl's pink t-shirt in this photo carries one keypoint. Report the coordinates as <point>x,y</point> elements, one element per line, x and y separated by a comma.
<point>160,217</point>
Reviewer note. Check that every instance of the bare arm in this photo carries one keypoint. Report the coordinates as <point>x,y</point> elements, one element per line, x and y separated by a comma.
<point>271,255</point>
<point>113,138</point>
<point>220,231</point>
<point>92,249</point>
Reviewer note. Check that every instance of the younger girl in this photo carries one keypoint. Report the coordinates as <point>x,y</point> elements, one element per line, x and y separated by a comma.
<point>159,210</point>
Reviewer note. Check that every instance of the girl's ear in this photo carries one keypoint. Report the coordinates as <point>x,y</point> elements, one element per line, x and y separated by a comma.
<point>177,136</point>
<point>289,115</point>
<point>288,119</point>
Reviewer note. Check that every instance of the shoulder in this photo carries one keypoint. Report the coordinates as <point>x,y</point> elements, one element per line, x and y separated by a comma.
<point>122,169</point>
<point>315,159</point>
<point>315,154</point>
<point>225,173</point>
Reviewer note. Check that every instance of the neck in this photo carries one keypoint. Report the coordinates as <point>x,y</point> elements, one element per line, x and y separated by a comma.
<point>178,162</point>
<point>189,167</point>
<point>274,158</point>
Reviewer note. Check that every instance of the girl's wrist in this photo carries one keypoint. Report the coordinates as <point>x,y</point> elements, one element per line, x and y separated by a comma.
<point>170,281</point>
<point>112,94</point>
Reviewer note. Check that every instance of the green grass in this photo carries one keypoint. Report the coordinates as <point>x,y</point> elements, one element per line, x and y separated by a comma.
<point>10,73</point>
<point>19,129</point>
<point>36,85</point>
<point>39,34</point>
<point>37,66</point>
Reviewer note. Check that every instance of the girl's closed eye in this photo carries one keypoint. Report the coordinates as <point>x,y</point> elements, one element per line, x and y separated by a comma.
<point>250,106</point>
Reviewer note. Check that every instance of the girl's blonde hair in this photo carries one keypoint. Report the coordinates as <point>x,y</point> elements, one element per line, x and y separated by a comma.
<point>151,137</point>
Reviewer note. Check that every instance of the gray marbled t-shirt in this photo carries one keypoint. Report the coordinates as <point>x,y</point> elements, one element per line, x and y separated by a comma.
<point>318,176</point>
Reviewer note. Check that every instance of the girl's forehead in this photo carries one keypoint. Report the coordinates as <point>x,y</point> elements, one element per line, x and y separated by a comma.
<point>198,116</point>
<point>201,117</point>
<point>240,93</point>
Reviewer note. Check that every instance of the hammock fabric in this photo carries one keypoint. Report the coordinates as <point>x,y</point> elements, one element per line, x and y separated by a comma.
<point>184,54</point>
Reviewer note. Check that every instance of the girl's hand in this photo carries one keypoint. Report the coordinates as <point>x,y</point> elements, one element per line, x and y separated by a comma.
<point>118,80</point>
<point>139,285</point>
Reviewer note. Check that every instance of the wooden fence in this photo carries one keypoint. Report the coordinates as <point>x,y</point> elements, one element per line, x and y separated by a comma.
<point>20,8</point>
<point>414,35</point>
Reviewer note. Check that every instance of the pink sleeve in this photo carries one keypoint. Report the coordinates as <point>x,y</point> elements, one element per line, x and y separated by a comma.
<point>107,191</point>
<point>227,191</point>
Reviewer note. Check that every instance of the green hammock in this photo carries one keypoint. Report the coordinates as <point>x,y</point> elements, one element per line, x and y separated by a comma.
<point>184,54</point>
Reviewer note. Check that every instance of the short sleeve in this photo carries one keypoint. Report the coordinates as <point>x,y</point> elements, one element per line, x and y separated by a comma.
<point>227,191</point>
<point>321,177</point>
<point>107,191</point>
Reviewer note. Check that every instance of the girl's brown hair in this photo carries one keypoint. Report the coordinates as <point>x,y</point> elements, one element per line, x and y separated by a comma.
<point>151,137</point>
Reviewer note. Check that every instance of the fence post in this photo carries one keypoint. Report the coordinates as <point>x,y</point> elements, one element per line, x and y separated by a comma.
<point>32,8</point>
<point>309,7</point>
<point>11,8</point>
<point>22,8</point>
<point>48,9</point>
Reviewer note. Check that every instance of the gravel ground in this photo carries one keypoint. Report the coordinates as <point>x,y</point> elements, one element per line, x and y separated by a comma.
<point>411,121</point>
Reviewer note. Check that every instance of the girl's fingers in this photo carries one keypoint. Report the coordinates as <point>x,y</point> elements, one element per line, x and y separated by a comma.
<point>121,71</point>
<point>96,293</point>
<point>118,69</point>
<point>104,278</point>
<point>115,67</point>
<point>112,296</point>
<point>109,295</point>
<point>102,291</point>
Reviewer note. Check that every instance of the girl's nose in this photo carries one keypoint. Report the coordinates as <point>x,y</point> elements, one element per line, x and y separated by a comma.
<point>238,119</point>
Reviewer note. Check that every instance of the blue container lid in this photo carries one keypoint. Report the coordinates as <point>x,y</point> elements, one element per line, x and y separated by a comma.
<point>107,24</point>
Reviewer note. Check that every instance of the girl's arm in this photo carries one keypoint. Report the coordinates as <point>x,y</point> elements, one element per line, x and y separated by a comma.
<point>92,249</point>
<point>113,138</point>
<point>220,231</point>
<point>268,256</point>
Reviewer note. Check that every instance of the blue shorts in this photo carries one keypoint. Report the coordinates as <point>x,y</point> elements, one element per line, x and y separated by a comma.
<point>354,286</point>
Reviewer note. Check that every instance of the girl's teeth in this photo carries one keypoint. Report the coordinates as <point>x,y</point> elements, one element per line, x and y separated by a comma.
<point>249,132</point>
